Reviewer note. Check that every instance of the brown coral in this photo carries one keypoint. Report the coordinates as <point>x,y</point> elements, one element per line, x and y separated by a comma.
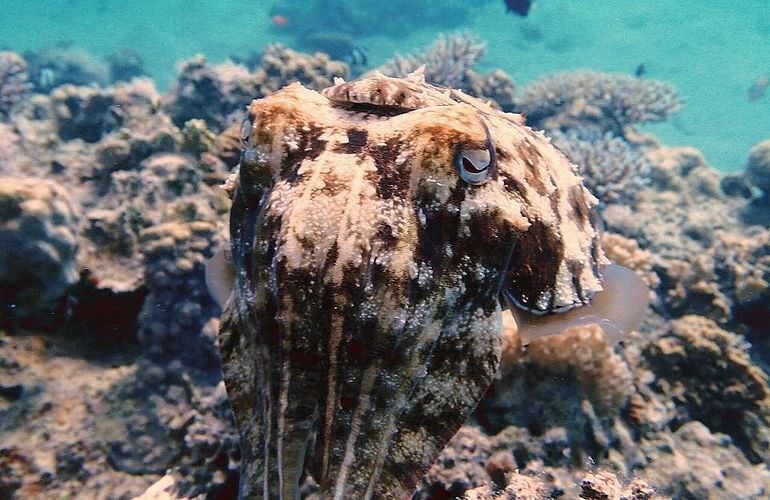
<point>603,375</point>
<point>38,241</point>
<point>708,374</point>
<point>627,253</point>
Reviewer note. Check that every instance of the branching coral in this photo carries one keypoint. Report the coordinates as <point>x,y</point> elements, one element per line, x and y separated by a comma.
<point>449,61</point>
<point>14,84</point>
<point>612,169</point>
<point>607,101</point>
<point>446,60</point>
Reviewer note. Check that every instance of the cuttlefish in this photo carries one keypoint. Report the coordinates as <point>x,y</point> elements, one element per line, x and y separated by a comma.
<point>378,230</point>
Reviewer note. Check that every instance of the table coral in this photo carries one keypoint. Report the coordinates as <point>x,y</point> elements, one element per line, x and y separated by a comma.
<point>38,242</point>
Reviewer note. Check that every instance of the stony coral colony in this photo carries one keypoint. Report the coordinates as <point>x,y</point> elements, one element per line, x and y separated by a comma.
<point>109,209</point>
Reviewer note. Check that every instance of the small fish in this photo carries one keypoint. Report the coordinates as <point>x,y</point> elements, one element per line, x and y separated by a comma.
<point>520,7</point>
<point>758,89</point>
<point>640,70</point>
<point>280,21</point>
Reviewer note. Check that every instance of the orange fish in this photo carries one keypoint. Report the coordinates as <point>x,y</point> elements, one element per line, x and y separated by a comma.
<point>279,20</point>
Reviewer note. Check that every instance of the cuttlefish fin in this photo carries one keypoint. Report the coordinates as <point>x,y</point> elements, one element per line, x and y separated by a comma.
<point>220,275</point>
<point>618,309</point>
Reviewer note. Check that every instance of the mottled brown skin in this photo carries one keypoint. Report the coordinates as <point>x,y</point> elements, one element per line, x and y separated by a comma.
<point>364,324</point>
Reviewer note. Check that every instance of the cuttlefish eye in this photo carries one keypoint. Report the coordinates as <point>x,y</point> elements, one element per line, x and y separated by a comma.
<point>474,165</point>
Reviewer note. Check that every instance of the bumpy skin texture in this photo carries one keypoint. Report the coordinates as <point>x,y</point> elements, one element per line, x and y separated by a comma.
<point>364,324</point>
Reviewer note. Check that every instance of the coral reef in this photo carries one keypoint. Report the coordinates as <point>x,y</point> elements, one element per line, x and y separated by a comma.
<point>125,64</point>
<point>109,207</point>
<point>449,61</point>
<point>607,101</point>
<point>14,84</point>
<point>708,261</point>
<point>446,60</point>
<point>38,242</point>
<point>599,485</point>
<point>604,376</point>
<point>696,463</point>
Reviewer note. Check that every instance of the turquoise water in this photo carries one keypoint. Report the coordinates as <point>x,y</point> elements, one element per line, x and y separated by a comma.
<point>710,50</point>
